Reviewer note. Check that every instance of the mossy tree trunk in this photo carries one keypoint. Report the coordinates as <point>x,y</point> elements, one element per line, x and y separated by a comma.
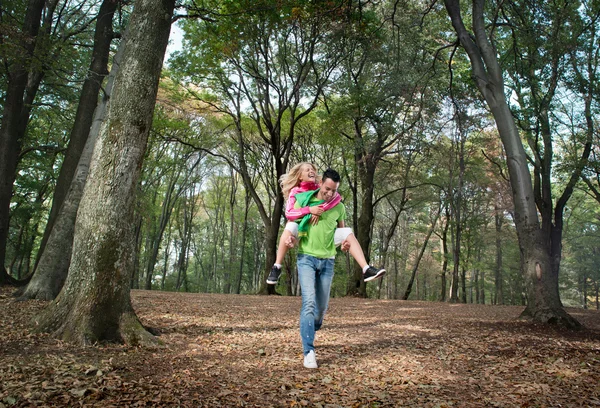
<point>95,304</point>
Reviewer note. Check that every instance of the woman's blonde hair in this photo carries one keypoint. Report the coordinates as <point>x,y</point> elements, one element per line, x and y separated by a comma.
<point>292,178</point>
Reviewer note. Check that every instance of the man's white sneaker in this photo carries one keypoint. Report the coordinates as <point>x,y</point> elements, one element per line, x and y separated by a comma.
<point>310,360</point>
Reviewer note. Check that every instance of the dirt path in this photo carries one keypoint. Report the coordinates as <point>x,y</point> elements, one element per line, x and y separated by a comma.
<point>227,351</point>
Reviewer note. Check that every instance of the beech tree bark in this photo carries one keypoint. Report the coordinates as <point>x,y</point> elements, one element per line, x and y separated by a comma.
<point>537,249</point>
<point>95,304</point>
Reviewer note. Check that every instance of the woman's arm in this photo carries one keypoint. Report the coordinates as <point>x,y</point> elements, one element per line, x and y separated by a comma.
<point>291,213</point>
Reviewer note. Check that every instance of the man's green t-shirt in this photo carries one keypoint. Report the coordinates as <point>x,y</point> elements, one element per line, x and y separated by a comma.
<point>319,242</point>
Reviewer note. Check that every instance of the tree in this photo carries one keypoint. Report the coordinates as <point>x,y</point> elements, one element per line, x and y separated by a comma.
<point>539,242</point>
<point>51,272</point>
<point>264,82</point>
<point>14,119</point>
<point>36,60</point>
<point>379,109</point>
<point>95,302</point>
<point>88,100</point>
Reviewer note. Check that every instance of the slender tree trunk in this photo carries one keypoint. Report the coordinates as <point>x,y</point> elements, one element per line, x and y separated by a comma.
<point>238,284</point>
<point>165,268</point>
<point>13,124</point>
<point>499,292</point>
<point>463,275</point>
<point>135,275</point>
<point>232,241</point>
<point>53,265</point>
<point>186,237</point>
<point>415,267</point>
<point>165,216</point>
<point>393,291</point>
<point>84,117</point>
<point>445,254</point>
<point>95,303</point>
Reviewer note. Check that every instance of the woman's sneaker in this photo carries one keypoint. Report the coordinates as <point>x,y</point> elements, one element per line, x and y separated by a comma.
<point>373,273</point>
<point>310,360</point>
<point>274,275</point>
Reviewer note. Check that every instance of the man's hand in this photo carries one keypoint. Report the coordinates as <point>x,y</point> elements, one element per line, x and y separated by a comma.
<point>290,242</point>
<point>345,245</point>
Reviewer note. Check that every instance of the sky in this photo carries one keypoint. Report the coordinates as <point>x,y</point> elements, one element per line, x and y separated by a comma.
<point>175,40</point>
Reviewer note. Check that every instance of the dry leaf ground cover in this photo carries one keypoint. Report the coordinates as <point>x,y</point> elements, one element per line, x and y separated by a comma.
<point>228,351</point>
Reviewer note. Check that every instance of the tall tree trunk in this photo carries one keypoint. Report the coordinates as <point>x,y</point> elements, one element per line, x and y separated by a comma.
<point>53,266</point>
<point>238,283</point>
<point>498,289</point>
<point>84,117</point>
<point>95,302</point>
<point>232,241</point>
<point>457,214</point>
<point>165,268</point>
<point>365,217</point>
<point>165,216</point>
<point>445,253</point>
<point>539,262</point>
<point>415,267</point>
<point>135,274</point>
<point>186,238</point>
<point>13,125</point>
<point>463,275</point>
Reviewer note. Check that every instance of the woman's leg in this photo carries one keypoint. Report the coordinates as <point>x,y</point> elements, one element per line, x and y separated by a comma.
<point>346,234</point>
<point>282,248</point>
<point>290,232</point>
<point>369,272</point>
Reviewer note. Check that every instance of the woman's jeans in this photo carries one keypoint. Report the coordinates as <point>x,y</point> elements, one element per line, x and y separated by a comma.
<point>315,276</point>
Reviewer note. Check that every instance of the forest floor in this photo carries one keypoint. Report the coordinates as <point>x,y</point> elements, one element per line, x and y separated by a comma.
<point>237,350</point>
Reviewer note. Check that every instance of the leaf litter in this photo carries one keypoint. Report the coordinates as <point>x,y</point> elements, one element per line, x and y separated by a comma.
<point>242,350</point>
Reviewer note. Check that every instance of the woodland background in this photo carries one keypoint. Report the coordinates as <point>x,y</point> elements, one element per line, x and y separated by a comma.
<point>378,90</point>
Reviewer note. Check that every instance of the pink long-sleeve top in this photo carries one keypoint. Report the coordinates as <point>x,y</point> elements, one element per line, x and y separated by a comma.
<point>292,214</point>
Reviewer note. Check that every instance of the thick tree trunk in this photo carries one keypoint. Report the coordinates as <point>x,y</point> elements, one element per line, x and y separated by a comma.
<point>544,303</point>
<point>95,303</point>
<point>84,117</point>
<point>53,266</point>
<point>365,219</point>
<point>13,126</point>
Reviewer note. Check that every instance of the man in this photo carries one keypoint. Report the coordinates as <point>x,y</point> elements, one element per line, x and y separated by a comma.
<point>316,256</point>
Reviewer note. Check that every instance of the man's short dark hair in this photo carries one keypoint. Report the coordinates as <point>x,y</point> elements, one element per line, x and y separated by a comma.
<point>331,174</point>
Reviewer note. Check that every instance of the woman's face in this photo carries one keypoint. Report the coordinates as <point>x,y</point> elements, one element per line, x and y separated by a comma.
<point>308,173</point>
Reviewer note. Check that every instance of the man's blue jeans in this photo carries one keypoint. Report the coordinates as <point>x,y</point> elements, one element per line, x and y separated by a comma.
<point>315,276</point>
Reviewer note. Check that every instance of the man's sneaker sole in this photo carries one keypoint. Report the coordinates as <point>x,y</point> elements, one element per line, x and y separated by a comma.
<point>269,282</point>
<point>379,274</point>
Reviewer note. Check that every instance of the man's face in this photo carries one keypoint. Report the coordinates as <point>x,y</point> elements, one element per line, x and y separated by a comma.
<point>328,189</point>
